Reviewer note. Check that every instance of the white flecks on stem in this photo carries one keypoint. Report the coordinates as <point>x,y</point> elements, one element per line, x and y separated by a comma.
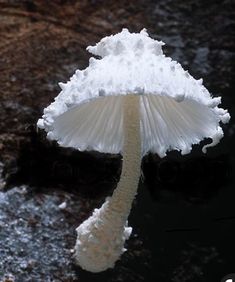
<point>101,238</point>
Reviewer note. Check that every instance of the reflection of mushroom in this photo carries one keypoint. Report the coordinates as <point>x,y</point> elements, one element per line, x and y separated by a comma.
<point>134,100</point>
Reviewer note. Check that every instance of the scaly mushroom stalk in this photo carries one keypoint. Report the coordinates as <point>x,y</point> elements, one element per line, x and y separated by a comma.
<point>101,238</point>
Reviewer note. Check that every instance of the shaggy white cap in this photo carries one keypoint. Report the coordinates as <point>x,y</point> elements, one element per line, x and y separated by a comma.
<point>176,109</point>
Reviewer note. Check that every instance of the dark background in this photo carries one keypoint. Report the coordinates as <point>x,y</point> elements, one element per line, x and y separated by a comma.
<point>184,214</point>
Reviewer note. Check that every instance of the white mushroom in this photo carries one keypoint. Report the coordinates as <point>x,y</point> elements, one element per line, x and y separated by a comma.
<point>133,100</point>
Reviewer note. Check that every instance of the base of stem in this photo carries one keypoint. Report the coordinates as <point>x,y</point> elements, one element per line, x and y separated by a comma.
<point>100,240</point>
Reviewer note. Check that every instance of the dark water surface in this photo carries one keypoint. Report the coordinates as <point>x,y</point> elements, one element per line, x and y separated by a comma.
<point>184,216</point>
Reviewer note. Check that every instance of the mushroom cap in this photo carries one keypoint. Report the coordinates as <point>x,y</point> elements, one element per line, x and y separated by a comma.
<point>177,111</point>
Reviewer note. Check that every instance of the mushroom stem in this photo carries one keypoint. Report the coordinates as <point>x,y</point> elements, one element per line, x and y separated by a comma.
<point>101,238</point>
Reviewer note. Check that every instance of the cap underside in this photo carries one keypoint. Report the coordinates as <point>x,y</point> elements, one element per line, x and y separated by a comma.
<point>165,125</point>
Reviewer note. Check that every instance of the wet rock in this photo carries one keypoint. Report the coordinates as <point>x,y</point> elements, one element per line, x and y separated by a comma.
<point>36,235</point>
<point>190,266</point>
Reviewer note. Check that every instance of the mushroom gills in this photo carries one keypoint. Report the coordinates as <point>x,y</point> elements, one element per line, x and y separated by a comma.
<point>165,125</point>
<point>101,238</point>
